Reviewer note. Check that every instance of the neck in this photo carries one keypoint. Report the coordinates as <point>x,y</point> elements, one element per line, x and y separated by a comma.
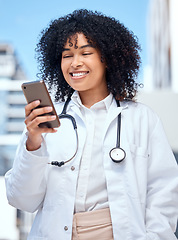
<point>89,99</point>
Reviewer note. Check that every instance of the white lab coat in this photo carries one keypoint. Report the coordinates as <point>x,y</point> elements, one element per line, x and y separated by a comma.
<point>142,190</point>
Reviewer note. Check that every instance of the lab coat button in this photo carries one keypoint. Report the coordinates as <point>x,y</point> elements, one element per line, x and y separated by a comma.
<point>65,228</point>
<point>72,168</point>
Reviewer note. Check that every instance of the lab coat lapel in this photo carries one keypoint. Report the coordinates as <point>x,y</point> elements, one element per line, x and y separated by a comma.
<point>113,113</point>
<point>75,109</point>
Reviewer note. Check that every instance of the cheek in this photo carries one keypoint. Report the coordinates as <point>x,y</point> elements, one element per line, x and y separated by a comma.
<point>64,69</point>
<point>62,66</point>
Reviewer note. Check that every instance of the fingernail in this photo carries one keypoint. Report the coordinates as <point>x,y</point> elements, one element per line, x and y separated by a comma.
<point>49,108</point>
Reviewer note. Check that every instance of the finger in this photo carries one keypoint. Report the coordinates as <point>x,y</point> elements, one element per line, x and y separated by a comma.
<point>38,130</point>
<point>40,119</point>
<point>29,107</point>
<point>34,129</point>
<point>41,111</point>
<point>37,112</point>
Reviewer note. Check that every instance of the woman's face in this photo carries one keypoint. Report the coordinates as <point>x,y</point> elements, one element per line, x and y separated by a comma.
<point>82,67</point>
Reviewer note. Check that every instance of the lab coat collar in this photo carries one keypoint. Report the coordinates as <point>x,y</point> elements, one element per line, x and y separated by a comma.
<point>113,110</point>
<point>77,100</point>
<point>76,103</point>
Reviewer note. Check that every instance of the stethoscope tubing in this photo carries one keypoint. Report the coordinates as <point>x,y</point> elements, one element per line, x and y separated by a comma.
<point>117,154</point>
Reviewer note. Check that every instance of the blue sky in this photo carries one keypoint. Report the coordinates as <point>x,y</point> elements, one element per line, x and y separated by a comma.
<point>22,21</point>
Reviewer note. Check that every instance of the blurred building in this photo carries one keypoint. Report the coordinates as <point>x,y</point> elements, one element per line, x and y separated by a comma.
<point>14,224</point>
<point>161,75</point>
<point>12,104</point>
<point>9,65</point>
<point>161,78</point>
<point>163,44</point>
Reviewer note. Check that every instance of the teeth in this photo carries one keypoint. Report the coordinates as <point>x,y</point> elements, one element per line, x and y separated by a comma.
<point>79,74</point>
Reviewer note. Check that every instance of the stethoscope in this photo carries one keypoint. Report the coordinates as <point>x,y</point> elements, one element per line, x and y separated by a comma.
<point>117,154</point>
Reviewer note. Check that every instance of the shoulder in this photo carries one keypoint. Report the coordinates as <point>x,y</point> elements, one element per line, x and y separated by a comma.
<point>139,113</point>
<point>138,108</point>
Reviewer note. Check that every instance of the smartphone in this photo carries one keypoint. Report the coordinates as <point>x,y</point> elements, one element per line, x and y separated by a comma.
<point>37,90</point>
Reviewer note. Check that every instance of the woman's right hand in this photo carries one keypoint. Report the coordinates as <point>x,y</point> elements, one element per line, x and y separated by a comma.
<point>32,120</point>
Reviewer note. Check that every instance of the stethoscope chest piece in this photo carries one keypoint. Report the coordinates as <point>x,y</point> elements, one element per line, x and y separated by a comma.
<point>117,154</point>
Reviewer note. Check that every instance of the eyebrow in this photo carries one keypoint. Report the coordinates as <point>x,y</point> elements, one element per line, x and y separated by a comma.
<point>84,46</point>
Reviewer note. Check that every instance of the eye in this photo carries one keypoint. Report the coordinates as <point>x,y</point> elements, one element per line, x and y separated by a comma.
<point>87,53</point>
<point>66,56</point>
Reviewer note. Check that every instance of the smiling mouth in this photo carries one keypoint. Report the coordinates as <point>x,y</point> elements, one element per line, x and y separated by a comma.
<point>79,74</point>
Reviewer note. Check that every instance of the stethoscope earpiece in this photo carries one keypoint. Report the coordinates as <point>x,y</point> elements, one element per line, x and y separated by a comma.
<point>117,154</point>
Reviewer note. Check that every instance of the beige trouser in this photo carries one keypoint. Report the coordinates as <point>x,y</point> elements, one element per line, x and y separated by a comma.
<point>94,225</point>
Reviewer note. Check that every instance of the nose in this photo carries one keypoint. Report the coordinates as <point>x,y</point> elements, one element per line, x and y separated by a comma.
<point>76,62</point>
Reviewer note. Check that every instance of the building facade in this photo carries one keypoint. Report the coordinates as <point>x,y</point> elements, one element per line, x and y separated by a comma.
<point>161,79</point>
<point>14,223</point>
<point>162,42</point>
<point>12,104</point>
<point>161,84</point>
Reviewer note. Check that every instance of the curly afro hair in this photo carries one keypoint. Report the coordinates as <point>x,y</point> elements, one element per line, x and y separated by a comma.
<point>118,46</point>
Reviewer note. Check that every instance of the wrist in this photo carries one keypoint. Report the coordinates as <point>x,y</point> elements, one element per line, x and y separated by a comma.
<point>32,145</point>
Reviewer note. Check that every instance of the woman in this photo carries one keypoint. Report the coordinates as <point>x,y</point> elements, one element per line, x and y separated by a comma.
<point>93,61</point>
